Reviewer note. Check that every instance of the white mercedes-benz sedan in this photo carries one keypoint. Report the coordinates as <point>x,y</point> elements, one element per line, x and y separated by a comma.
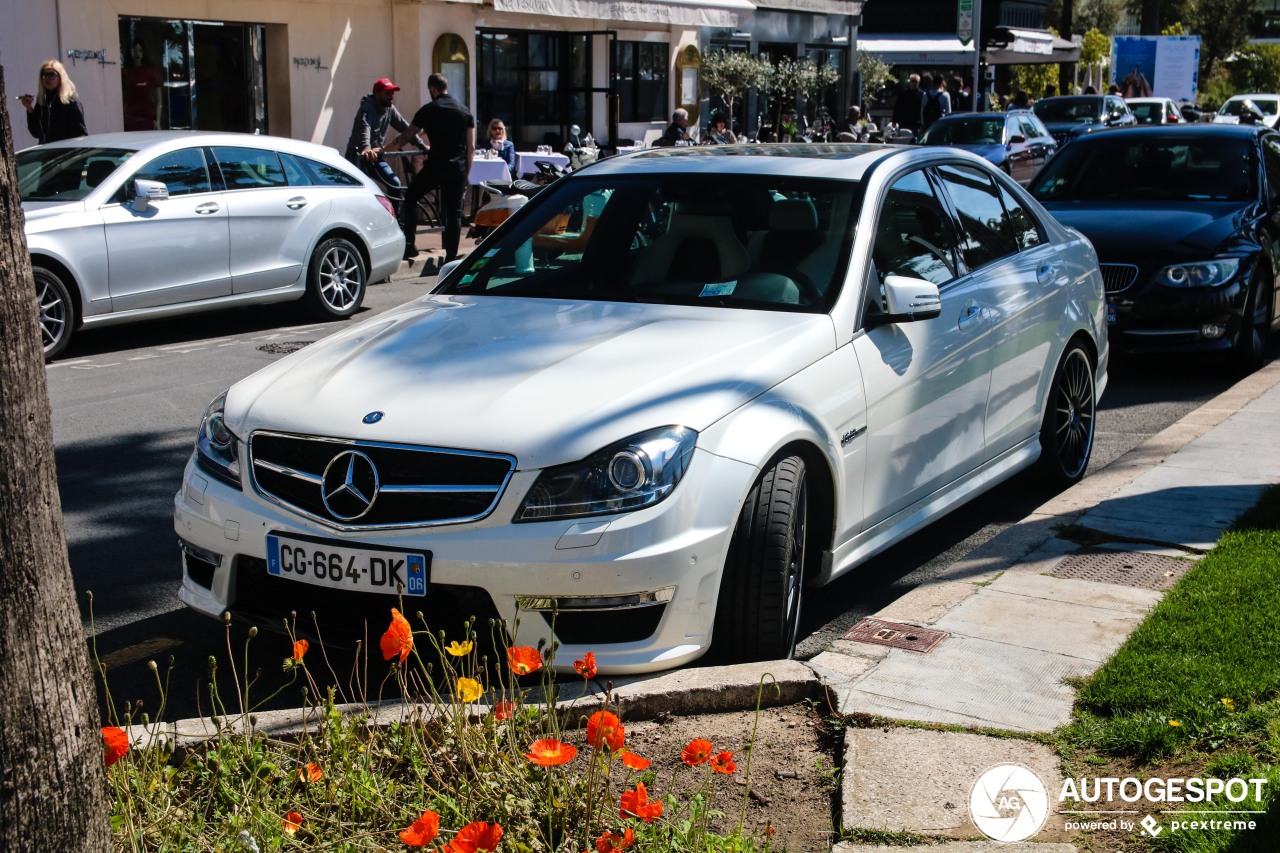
<point>130,226</point>
<point>671,392</point>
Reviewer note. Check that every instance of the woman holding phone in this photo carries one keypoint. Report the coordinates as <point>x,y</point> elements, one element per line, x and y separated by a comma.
<point>56,112</point>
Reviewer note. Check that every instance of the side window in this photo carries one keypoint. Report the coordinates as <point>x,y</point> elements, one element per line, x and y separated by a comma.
<point>322,174</point>
<point>913,237</point>
<point>249,168</point>
<point>1271,163</point>
<point>987,236</point>
<point>293,170</point>
<point>1029,129</point>
<point>184,172</point>
<point>1025,228</point>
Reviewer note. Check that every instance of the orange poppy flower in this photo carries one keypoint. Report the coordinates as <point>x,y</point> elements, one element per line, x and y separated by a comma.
<point>722,762</point>
<point>634,761</point>
<point>399,637</point>
<point>604,729</point>
<point>612,843</point>
<point>476,837</point>
<point>310,773</point>
<point>292,822</point>
<point>523,659</point>
<point>636,804</point>
<point>115,743</point>
<point>586,665</point>
<point>504,710</point>
<point>422,831</point>
<point>300,650</point>
<point>697,752</point>
<point>549,753</point>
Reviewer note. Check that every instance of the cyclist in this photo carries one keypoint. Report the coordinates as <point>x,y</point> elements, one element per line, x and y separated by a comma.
<point>377,112</point>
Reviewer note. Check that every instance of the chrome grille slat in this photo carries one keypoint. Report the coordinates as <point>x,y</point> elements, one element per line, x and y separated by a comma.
<point>1117,277</point>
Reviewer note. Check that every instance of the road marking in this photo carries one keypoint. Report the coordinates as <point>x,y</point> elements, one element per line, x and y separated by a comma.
<point>139,651</point>
<point>93,366</point>
<point>143,357</point>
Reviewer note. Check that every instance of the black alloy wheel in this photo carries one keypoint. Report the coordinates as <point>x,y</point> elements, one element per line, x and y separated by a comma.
<point>1066,436</point>
<point>1250,348</point>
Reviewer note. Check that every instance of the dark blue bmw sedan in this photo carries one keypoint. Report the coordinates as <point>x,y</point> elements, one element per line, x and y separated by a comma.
<point>1186,223</point>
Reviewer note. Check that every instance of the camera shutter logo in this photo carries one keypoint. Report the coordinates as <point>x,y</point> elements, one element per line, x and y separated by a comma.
<point>1009,803</point>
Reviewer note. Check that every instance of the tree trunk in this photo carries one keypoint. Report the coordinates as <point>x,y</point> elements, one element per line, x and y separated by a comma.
<point>52,784</point>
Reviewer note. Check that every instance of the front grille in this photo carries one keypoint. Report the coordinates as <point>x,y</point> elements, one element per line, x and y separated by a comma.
<point>414,485</point>
<point>1117,277</point>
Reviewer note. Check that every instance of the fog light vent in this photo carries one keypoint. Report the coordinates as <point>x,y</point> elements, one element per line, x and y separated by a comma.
<point>1213,331</point>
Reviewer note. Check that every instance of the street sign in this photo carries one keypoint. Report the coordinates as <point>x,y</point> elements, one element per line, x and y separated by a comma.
<point>964,22</point>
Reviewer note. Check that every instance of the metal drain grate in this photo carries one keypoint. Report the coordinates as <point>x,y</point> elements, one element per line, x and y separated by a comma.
<point>1127,568</point>
<point>285,347</point>
<point>895,634</point>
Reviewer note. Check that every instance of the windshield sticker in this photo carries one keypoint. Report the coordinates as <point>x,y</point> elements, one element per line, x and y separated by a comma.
<point>718,288</point>
<point>467,279</point>
<point>491,253</point>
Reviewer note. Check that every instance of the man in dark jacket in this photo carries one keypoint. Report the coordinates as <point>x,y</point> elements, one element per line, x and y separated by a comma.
<point>377,112</point>
<point>908,112</point>
<point>677,133</point>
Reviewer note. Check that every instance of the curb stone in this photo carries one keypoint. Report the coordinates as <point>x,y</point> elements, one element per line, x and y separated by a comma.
<point>958,847</point>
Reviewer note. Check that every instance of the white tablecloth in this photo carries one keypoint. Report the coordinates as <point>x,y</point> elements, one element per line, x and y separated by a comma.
<point>526,161</point>
<point>488,170</point>
<point>627,149</point>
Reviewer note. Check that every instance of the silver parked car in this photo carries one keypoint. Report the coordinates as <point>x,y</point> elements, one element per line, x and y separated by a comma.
<point>127,226</point>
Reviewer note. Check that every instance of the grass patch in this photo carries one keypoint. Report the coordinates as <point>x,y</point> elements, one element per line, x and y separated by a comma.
<point>887,837</point>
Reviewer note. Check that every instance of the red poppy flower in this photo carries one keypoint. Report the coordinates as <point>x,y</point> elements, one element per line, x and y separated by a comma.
<point>636,804</point>
<point>523,659</point>
<point>310,773</point>
<point>422,831</point>
<point>115,743</point>
<point>722,762</point>
<point>292,822</point>
<point>634,761</point>
<point>300,650</point>
<point>604,729</point>
<point>504,710</point>
<point>399,637</point>
<point>697,752</point>
<point>549,753</point>
<point>586,665</point>
<point>475,837</point>
<point>612,843</point>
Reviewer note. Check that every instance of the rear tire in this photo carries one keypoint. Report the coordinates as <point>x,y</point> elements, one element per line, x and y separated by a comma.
<point>1066,436</point>
<point>336,279</point>
<point>758,612</point>
<point>57,312</point>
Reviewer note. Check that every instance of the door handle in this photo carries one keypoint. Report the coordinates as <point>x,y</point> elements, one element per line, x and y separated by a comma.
<point>1046,273</point>
<point>296,202</point>
<point>969,314</point>
<point>207,208</point>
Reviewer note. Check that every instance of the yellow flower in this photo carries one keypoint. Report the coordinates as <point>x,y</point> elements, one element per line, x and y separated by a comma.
<point>1174,723</point>
<point>459,650</point>
<point>469,689</point>
<point>1230,703</point>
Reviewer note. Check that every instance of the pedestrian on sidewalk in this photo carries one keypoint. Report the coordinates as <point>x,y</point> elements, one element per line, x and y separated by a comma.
<point>450,129</point>
<point>376,114</point>
<point>55,113</point>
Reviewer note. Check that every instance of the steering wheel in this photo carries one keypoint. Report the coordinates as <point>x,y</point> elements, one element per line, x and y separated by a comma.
<point>809,292</point>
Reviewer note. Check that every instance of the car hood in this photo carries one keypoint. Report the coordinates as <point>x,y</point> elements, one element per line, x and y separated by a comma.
<point>549,381</point>
<point>39,213</point>
<point>1130,232</point>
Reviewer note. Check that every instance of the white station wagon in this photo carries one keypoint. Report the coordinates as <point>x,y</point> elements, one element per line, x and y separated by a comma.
<point>131,226</point>
<point>672,391</point>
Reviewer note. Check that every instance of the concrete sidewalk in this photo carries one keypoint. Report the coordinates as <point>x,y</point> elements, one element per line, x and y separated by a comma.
<point>428,263</point>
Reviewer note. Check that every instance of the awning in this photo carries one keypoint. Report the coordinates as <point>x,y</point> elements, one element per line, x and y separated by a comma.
<point>694,13</point>
<point>1029,47</point>
<point>821,7</point>
<point>918,50</point>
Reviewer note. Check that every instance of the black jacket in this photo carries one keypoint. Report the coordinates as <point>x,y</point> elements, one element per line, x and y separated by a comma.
<point>55,120</point>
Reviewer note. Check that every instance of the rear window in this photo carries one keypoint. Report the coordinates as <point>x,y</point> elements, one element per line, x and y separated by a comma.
<point>65,174</point>
<point>1069,109</point>
<point>1149,166</point>
<point>966,131</point>
<point>1233,107</point>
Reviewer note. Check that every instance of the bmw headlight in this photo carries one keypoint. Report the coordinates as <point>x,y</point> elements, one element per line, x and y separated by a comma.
<point>217,448</point>
<point>1203,274</point>
<point>637,472</point>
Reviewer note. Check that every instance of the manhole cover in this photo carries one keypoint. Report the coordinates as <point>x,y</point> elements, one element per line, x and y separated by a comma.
<point>284,347</point>
<point>895,634</point>
<point>1127,568</point>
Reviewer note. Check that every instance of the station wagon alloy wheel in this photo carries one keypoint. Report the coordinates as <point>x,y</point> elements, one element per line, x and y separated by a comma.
<point>338,278</point>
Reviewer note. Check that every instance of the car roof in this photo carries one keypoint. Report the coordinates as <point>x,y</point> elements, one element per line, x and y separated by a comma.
<point>1189,129</point>
<point>1253,95</point>
<point>141,140</point>
<point>1149,100</point>
<point>845,161</point>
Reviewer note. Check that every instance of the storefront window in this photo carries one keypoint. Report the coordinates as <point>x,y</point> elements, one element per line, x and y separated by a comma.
<point>640,79</point>
<point>537,83</point>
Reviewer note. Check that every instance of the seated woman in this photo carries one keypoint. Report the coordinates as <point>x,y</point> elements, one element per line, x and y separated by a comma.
<point>719,133</point>
<point>496,140</point>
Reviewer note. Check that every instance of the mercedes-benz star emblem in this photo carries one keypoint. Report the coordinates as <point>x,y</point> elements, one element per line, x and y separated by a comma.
<point>350,485</point>
<point>372,417</point>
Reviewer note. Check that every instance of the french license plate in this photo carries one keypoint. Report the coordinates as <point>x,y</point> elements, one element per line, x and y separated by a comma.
<point>1111,313</point>
<point>361,568</point>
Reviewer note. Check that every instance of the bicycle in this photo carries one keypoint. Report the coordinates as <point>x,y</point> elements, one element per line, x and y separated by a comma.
<point>428,209</point>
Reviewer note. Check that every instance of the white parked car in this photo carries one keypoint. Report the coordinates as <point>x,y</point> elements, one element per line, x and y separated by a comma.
<point>671,391</point>
<point>1268,105</point>
<point>1155,110</point>
<point>129,226</point>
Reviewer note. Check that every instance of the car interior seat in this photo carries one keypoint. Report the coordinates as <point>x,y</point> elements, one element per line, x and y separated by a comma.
<point>699,245</point>
<point>791,236</point>
<point>97,172</point>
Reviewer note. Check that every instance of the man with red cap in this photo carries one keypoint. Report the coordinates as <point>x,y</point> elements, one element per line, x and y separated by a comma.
<point>369,131</point>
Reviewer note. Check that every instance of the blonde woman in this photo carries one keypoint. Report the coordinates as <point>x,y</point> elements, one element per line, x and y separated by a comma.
<point>496,140</point>
<point>56,112</point>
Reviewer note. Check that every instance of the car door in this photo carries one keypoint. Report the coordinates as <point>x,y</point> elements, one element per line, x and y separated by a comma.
<point>174,250</point>
<point>273,224</point>
<point>1019,146</point>
<point>1042,144</point>
<point>1018,277</point>
<point>926,382</point>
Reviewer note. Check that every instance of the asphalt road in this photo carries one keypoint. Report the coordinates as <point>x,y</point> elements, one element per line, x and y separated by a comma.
<point>126,402</point>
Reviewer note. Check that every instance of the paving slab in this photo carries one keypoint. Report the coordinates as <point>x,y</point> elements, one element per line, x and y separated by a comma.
<point>1107,596</point>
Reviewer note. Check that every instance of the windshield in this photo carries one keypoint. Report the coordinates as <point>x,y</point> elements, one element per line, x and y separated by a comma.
<point>1147,112</point>
<point>65,174</point>
<point>1269,106</point>
<point>1147,166</point>
<point>966,131</point>
<point>1069,109</point>
<point>769,243</point>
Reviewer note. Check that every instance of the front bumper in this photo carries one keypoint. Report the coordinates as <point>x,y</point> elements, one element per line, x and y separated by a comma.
<point>638,589</point>
<point>1154,319</point>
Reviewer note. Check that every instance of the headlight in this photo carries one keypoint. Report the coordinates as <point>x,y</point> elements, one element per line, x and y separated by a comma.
<point>217,448</point>
<point>1205,274</point>
<point>629,475</point>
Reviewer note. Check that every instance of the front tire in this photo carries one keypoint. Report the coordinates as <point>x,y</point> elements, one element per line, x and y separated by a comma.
<point>758,612</point>
<point>57,311</point>
<point>1250,348</point>
<point>336,279</point>
<point>1066,436</point>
